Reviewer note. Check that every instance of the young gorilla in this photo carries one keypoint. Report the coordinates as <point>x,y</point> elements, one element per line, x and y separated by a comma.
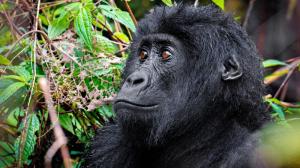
<point>191,95</point>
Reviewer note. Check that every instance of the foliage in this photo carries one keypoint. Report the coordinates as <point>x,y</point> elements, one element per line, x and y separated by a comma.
<point>220,3</point>
<point>80,52</point>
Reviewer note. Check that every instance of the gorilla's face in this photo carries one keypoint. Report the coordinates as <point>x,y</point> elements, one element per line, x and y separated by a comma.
<point>186,68</point>
<point>153,78</point>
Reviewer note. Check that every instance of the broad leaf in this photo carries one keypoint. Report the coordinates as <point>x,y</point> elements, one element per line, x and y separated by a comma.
<point>4,60</point>
<point>59,25</point>
<point>13,101</point>
<point>219,3</point>
<point>21,71</point>
<point>168,2</point>
<point>23,152</point>
<point>118,15</point>
<point>10,90</point>
<point>14,77</point>
<point>271,62</point>
<point>83,27</point>
<point>72,8</point>
<point>121,36</point>
<point>62,19</point>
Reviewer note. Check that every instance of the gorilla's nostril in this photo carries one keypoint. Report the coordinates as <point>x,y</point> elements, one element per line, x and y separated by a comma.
<point>138,81</point>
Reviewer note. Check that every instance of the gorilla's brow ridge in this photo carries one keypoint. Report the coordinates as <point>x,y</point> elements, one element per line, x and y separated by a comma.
<point>159,38</point>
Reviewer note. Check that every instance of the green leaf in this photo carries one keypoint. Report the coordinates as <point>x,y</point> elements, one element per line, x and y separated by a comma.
<point>21,71</point>
<point>10,90</point>
<point>278,110</point>
<point>100,20</point>
<point>66,122</point>
<point>168,2</point>
<point>104,45</point>
<point>219,3</point>
<point>118,15</point>
<point>29,140</point>
<point>71,8</point>
<point>83,27</point>
<point>122,37</point>
<point>6,151</point>
<point>44,20</point>
<point>271,62</point>
<point>14,77</point>
<point>4,60</point>
<point>59,25</point>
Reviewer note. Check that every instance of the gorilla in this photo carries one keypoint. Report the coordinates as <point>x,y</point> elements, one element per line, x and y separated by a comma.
<point>191,96</point>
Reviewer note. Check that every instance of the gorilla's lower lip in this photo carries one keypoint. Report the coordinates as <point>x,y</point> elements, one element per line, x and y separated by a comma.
<point>135,104</point>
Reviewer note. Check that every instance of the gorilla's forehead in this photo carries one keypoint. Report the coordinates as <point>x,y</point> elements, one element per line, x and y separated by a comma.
<point>159,38</point>
<point>180,19</point>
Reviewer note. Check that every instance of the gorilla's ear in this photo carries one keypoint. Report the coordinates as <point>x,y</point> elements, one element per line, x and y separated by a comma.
<point>231,69</point>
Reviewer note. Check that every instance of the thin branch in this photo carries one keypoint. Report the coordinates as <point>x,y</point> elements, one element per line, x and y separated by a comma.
<point>287,78</point>
<point>121,51</point>
<point>61,140</point>
<point>251,4</point>
<point>130,12</point>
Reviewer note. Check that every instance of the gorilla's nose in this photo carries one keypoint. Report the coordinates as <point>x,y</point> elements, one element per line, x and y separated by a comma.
<point>137,81</point>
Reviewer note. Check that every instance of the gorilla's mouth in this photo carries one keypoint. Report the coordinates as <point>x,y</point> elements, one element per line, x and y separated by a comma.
<point>130,103</point>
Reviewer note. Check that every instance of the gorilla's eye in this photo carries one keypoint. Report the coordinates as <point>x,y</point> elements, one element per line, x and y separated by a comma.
<point>143,55</point>
<point>166,55</point>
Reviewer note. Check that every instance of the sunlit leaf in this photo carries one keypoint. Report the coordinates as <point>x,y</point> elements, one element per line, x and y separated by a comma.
<point>278,110</point>
<point>219,3</point>
<point>275,75</point>
<point>271,62</point>
<point>121,36</point>
<point>14,77</point>
<point>4,60</point>
<point>168,2</point>
<point>83,27</point>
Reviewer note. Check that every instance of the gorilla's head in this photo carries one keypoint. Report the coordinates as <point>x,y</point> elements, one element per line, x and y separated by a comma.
<point>188,67</point>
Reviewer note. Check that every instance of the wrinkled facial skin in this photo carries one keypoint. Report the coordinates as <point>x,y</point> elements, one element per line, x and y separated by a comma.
<point>151,77</point>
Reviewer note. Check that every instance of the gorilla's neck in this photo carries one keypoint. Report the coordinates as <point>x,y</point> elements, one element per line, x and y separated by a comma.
<point>203,137</point>
<point>192,128</point>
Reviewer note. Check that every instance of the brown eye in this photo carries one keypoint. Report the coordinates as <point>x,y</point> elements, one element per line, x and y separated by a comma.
<point>166,55</point>
<point>143,55</point>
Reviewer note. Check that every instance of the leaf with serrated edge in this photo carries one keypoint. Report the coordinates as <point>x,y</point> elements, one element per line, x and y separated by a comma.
<point>83,27</point>
<point>29,139</point>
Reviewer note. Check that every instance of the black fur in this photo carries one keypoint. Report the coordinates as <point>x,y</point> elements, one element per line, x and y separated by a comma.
<point>185,115</point>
